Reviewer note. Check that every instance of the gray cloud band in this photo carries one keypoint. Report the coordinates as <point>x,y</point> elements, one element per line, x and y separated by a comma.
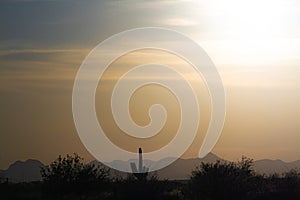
<point>100,58</point>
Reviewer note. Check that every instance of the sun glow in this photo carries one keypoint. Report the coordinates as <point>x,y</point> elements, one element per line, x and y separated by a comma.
<point>251,32</point>
<point>252,19</point>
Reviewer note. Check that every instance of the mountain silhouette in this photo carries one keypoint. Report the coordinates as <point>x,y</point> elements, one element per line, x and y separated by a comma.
<point>181,169</point>
<point>268,166</point>
<point>23,171</point>
<point>29,170</point>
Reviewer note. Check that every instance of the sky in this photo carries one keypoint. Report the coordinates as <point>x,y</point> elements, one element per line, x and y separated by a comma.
<point>255,45</point>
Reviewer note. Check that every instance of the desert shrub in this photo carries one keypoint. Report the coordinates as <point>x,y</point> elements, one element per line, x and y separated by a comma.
<point>224,180</point>
<point>70,174</point>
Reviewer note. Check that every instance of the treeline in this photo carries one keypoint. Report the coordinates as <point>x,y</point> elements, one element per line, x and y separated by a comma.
<point>70,178</point>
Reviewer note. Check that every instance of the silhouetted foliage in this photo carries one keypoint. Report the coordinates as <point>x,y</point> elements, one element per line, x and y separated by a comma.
<point>149,188</point>
<point>70,173</point>
<point>223,180</point>
<point>70,178</point>
<point>286,186</point>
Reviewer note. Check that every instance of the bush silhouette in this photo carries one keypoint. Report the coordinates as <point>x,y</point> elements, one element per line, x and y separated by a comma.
<point>224,180</point>
<point>70,178</point>
<point>70,173</point>
<point>146,188</point>
<point>286,186</point>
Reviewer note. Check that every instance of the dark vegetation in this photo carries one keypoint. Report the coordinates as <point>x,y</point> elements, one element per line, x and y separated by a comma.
<point>70,178</point>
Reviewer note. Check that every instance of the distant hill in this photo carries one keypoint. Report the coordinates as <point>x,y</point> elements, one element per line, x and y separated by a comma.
<point>24,171</point>
<point>267,166</point>
<point>27,171</point>
<point>2,175</point>
<point>182,168</point>
<point>178,170</point>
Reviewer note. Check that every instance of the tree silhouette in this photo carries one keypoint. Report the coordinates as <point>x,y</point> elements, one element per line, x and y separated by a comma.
<point>286,186</point>
<point>70,178</point>
<point>70,173</point>
<point>223,180</point>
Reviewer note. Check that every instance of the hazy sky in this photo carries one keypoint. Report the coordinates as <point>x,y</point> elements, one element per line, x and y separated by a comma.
<point>254,44</point>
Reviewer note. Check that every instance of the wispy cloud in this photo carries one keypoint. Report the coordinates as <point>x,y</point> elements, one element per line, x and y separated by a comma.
<point>60,56</point>
<point>179,22</point>
<point>30,69</point>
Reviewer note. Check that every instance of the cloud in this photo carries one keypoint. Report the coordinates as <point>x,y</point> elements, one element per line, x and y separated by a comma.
<point>42,55</point>
<point>32,69</point>
<point>179,22</point>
